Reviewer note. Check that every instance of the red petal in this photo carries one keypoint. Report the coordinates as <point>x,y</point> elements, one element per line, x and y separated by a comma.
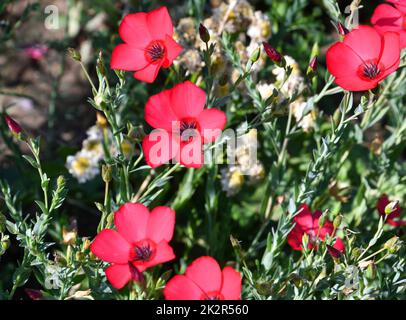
<point>125,57</point>
<point>305,218</point>
<point>355,83</point>
<point>390,56</point>
<point>182,288</point>
<point>191,154</point>
<point>211,122</point>
<point>118,275</point>
<point>339,245</point>
<point>295,238</point>
<point>326,229</point>
<point>131,221</point>
<point>134,30</point>
<point>164,253</point>
<point>188,100</point>
<point>159,147</point>
<point>342,61</point>
<point>365,42</point>
<point>161,223</point>
<point>110,246</point>
<point>387,18</point>
<point>231,288</point>
<point>160,23</point>
<point>158,111</point>
<point>206,273</point>
<point>173,49</point>
<point>149,73</point>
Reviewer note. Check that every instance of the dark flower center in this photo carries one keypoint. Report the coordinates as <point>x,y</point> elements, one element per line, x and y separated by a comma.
<point>371,70</point>
<point>143,252</point>
<point>212,296</point>
<point>188,129</point>
<point>155,51</point>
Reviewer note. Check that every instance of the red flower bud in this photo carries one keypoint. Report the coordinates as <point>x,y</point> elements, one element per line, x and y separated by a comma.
<point>313,63</point>
<point>274,55</point>
<point>12,125</point>
<point>341,29</point>
<point>204,33</point>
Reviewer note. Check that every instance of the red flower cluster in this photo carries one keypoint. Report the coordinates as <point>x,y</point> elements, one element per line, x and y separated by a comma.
<point>364,58</point>
<point>204,280</point>
<point>149,44</point>
<point>140,242</point>
<point>308,223</point>
<point>183,126</point>
<point>383,201</point>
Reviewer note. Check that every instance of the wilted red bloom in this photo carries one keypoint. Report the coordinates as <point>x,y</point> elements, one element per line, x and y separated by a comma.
<point>140,242</point>
<point>149,44</point>
<point>389,18</point>
<point>383,201</point>
<point>364,58</point>
<point>308,222</point>
<point>12,125</point>
<point>335,253</point>
<point>272,53</point>
<point>204,280</point>
<point>36,52</point>
<point>183,126</point>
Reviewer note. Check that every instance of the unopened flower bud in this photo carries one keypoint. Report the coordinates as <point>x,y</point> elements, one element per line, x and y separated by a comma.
<point>5,243</point>
<point>204,33</point>
<point>101,121</point>
<point>391,244</point>
<point>337,221</point>
<point>74,54</point>
<point>106,173</point>
<point>370,273</point>
<point>255,54</point>
<point>272,53</point>
<point>355,253</point>
<point>86,244</point>
<point>305,240</point>
<point>313,64</point>
<point>12,125</point>
<point>322,219</point>
<point>341,29</point>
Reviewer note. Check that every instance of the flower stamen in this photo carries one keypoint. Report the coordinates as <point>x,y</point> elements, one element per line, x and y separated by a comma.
<point>155,51</point>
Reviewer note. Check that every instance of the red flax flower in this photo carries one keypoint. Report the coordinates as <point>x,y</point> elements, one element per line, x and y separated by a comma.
<point>140,242</point>
<point>390,18</point>
<point>308,222</point>
<point>204,280</point>
<point>183,126</point>
<point>383,201</point>
<point>149,44</point>
<point>364,58</point>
